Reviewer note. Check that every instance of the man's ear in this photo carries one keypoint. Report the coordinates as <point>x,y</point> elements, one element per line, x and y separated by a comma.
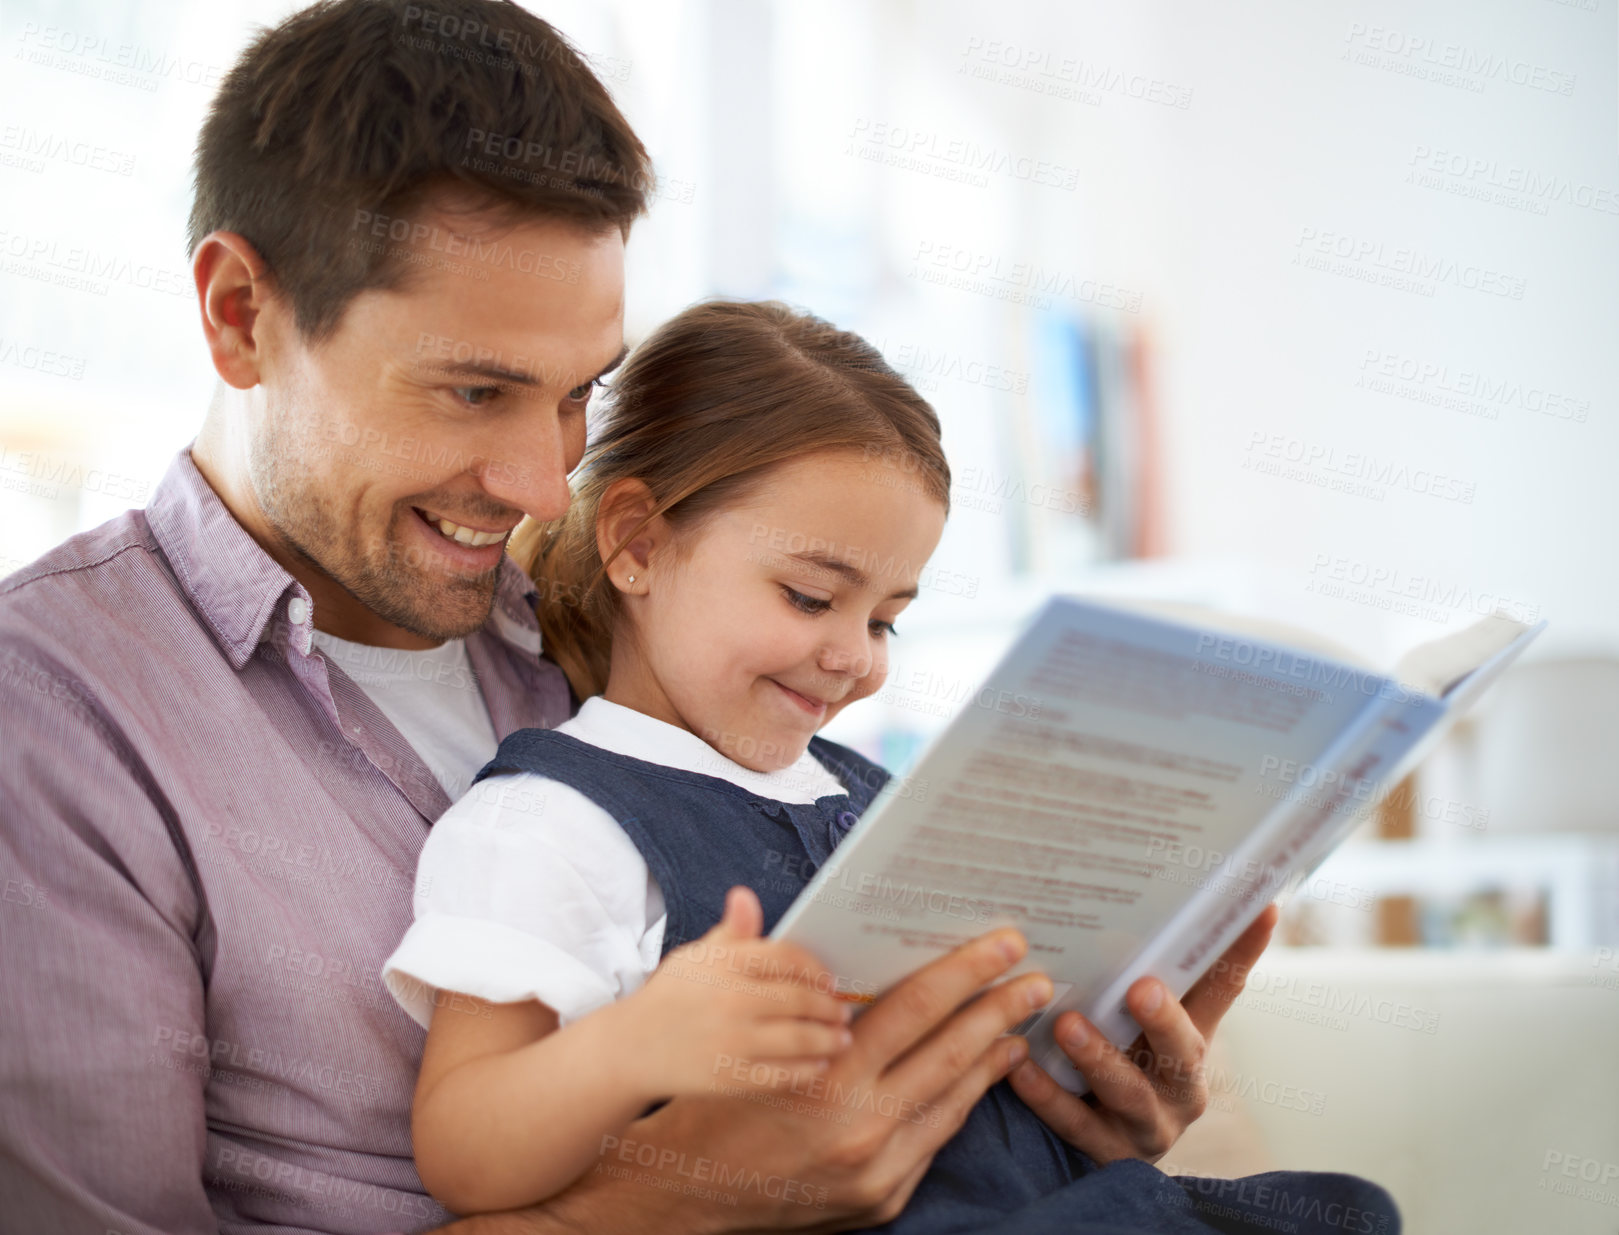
<point>622,519</point>
<point>232,289</point>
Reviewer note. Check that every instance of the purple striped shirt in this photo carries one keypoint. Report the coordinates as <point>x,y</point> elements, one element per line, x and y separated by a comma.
<point>208,839</point>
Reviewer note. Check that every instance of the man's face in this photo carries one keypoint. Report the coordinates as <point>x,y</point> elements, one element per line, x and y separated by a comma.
<point>398,453</point>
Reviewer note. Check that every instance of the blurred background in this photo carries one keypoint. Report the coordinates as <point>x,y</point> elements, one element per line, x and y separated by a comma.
<point>1303,311</point>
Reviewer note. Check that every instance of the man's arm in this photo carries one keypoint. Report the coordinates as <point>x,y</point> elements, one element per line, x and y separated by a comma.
<point>102,1129</point>
<point>845,1152</point>
<point>851,1152</point>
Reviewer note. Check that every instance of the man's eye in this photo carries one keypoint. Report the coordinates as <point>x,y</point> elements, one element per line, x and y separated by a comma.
<point>580,393</point>
<point>475,396</point>
<point>803,603</point>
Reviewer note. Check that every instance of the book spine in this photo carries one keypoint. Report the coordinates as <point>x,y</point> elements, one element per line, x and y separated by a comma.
<point>1293,841</point>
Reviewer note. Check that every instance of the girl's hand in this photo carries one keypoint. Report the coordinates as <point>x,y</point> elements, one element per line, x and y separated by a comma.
<point>732,1010</point>
<point>1140,1103</point>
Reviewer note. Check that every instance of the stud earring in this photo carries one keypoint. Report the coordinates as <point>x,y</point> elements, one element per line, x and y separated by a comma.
<point>632,579</point>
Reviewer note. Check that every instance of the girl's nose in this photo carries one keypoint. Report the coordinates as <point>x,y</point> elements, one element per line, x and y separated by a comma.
<point>841,658</point>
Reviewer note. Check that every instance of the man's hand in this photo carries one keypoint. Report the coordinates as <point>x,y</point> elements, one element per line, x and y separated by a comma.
<point>846,1150</point>
<point>1140,1103</point>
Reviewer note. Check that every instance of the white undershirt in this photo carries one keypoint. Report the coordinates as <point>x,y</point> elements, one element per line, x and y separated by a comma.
<point>433,699</point>
<point>526,889</point>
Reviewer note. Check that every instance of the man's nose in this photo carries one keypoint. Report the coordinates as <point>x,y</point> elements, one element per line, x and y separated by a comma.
<point>529,470</point>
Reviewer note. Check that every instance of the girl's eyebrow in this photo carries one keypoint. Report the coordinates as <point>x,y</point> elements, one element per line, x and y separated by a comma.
<point>847,571</point>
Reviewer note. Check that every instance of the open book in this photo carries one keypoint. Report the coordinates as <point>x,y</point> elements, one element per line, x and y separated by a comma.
<point>1131,787</point>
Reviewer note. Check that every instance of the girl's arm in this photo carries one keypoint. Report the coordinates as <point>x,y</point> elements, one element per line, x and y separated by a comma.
<point>509,1109</point>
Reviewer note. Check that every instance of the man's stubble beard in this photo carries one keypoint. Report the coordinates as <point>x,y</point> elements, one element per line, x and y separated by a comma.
<point>377,572</point>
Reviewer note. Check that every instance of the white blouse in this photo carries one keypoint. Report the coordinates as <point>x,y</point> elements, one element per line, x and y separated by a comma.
<point>526,889</point>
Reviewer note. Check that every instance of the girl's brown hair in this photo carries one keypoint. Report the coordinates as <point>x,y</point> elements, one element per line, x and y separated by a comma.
<point>711,401</point>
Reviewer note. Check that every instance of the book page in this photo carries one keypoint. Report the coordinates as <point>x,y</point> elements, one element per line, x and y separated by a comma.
<point>1095,784</point>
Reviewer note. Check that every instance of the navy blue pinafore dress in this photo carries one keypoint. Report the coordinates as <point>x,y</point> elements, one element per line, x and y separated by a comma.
<point>1004,1171</point>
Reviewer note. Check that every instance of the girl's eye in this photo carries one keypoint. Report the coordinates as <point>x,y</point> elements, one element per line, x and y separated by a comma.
<point>475,396</point>
<point>803,603</point>
<point>883,630</point>
<point>580,393</point>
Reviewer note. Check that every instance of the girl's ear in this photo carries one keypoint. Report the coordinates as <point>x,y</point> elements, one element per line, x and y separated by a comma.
<point>621,519</point>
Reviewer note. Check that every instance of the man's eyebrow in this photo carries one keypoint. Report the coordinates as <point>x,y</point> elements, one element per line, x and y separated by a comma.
<point>847,571</point>
<point>623,354</point>
<point>517,377</point>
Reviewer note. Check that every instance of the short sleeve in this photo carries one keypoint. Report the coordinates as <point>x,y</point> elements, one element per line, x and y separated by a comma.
<point>526,889</point>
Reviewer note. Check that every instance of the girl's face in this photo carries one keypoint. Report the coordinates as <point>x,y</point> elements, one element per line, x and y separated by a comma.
<point>772,616</point>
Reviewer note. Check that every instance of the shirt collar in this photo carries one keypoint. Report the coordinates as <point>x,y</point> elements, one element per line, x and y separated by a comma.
<point>238,588</point>
<point>624,731</point>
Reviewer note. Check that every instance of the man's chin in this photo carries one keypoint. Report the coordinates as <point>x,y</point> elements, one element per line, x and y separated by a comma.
<point>434,609</point>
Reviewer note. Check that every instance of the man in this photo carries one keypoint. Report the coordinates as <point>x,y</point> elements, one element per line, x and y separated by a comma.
<point>232,717</point>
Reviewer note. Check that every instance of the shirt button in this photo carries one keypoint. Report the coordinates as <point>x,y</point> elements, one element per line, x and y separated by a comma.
<point>297,610</point>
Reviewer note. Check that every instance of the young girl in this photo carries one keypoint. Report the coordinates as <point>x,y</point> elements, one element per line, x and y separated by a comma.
<point>749,522</point>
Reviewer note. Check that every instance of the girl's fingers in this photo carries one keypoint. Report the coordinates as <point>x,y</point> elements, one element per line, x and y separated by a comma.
<point>790,1039</point>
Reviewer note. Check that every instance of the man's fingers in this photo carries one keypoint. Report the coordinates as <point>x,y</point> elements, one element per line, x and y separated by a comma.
<point>1119,1085</point>
<point>1177,1047</point>
<point>1211,998</point>
<point>952,1051</point>
<point>1075,1121</point>
<point>922,1002</point>
<point>939,1117</point>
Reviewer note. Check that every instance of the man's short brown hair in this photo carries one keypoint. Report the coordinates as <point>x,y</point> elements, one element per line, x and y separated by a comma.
<point>334,129</point>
